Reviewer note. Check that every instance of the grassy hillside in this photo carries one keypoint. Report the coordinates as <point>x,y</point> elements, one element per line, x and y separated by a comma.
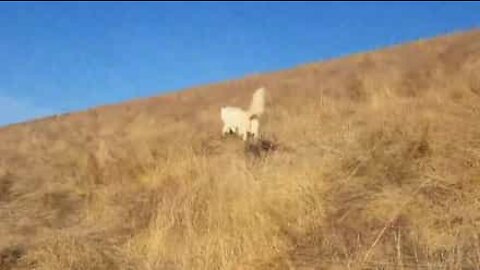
<point>377,167</point>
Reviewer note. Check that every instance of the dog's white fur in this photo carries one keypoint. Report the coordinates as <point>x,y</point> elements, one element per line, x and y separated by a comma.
<point>243,122</point>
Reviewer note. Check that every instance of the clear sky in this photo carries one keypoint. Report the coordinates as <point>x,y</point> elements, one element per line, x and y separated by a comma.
<point>58,57</point>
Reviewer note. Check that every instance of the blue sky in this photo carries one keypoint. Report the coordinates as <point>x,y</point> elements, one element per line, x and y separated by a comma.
<point>58,57</point>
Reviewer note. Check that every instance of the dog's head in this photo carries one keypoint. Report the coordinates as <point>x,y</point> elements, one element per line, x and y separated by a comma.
<point>222,111</point>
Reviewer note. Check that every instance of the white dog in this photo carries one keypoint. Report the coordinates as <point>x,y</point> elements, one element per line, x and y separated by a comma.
<point>243,122</point>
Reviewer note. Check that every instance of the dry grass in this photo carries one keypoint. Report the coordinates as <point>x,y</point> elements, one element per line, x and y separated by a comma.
<point>368,162</point>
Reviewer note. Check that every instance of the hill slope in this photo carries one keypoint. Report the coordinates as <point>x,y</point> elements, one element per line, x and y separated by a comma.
<point>378,165</point>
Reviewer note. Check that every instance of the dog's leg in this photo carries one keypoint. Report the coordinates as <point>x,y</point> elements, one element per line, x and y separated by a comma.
<point>254,126</point>
<point>245,136</point>
<point>226,129</point>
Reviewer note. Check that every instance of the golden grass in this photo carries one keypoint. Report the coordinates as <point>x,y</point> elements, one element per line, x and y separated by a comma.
<point>377,167</point>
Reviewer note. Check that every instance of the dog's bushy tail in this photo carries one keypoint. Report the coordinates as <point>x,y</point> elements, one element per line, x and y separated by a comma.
<point>257,106</point>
